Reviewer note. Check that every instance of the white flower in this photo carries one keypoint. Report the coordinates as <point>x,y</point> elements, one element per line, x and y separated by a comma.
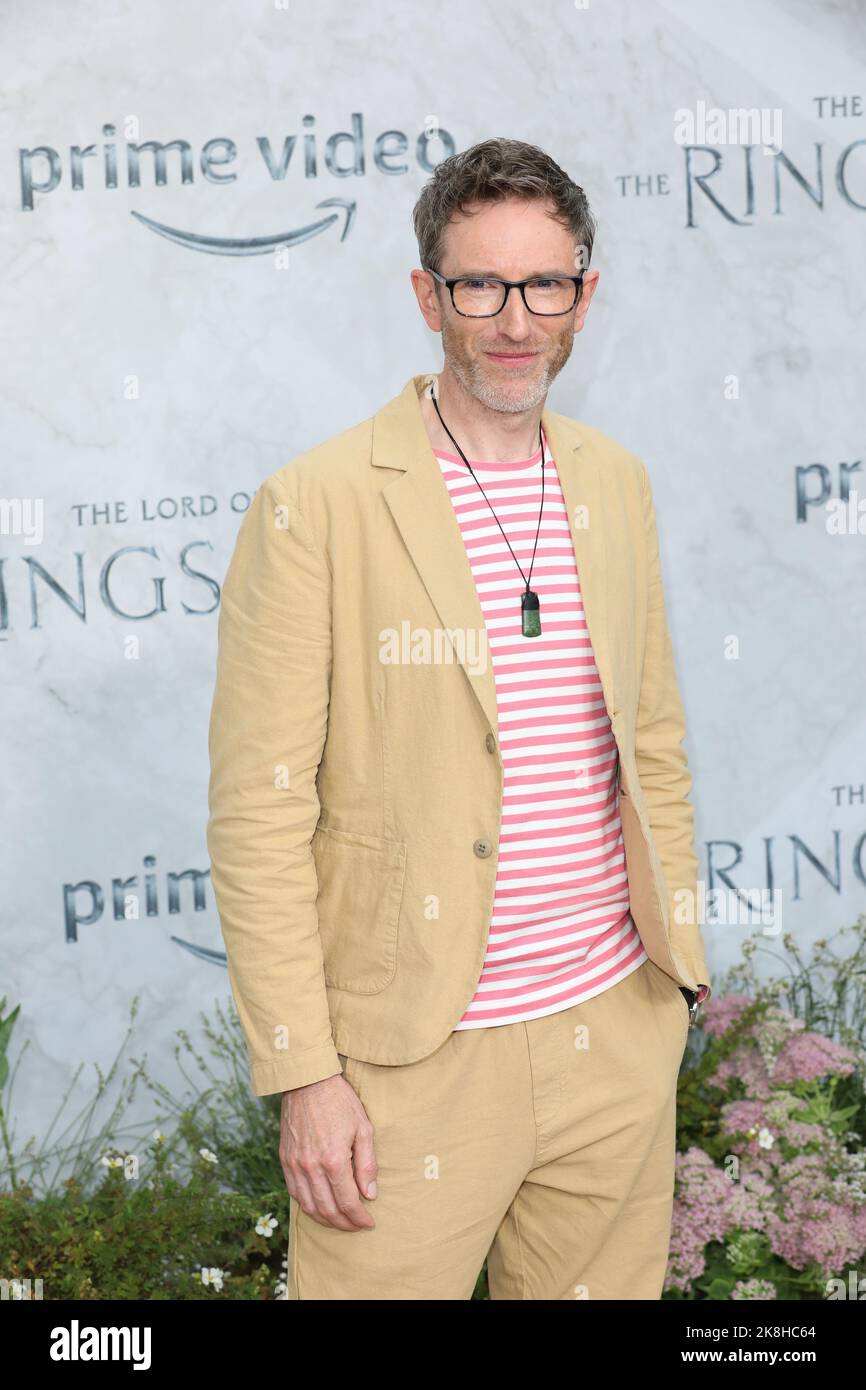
<point>281,1287</point>
<point>213,1276</point>
<point>266,1225</point>
<point>111,1161</point>
<point>765,1139</point>
<point>159,1136</point>
<point>208,1156</point>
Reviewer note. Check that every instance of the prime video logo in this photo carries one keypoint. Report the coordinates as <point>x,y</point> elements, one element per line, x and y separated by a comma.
<point>43,169</point>
<point>76,1343</point>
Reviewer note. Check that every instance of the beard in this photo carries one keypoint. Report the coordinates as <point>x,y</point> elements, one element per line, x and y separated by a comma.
<point>476,374</point>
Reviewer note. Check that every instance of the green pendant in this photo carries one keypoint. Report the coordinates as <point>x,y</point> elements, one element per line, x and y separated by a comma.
<point>531,614</point>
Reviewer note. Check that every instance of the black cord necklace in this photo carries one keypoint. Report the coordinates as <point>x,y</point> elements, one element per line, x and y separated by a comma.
<point>530,608</point>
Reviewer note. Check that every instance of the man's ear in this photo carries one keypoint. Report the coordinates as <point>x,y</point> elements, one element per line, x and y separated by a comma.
<point>590,280</point>
<point>427,293</point>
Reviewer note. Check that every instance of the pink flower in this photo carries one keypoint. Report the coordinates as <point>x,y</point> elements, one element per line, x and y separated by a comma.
<point>700,1215</point>
<point>823,1217</point>
<point>746,1066</point>
<point>809,1056</point>
<point>721,1014</point>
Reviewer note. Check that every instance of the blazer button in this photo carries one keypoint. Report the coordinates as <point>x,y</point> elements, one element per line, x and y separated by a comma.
<point>482,848</point>
<point>490,743</point>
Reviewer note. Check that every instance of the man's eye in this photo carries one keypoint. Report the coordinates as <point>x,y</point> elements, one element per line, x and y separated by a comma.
<point>478,284</point>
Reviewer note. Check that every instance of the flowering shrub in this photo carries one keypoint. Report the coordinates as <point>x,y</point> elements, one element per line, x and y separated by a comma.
<point>195,1208</point>
<point>770,1195</point>
<point>164,1237</point>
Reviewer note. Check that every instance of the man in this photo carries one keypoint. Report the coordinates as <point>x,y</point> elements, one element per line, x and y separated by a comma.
<point>450,833</point>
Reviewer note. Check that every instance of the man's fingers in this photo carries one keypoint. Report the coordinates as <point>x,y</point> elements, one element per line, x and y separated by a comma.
<point>337,1199</point>
<point>348,1200</point>
<point>325,1209</point>
<point>364,1160</point>
<point>299,1190</point>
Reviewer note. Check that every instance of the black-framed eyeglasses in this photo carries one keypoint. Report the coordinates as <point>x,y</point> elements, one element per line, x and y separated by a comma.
<point>481,297</point>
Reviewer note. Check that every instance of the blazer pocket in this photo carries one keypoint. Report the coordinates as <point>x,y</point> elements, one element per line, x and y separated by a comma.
<point>360,880</point>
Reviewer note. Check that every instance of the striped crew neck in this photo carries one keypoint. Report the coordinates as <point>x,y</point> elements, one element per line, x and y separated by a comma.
<point>493,466</point>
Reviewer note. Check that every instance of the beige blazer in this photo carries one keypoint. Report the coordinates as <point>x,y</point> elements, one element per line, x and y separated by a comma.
<point>356,780</point>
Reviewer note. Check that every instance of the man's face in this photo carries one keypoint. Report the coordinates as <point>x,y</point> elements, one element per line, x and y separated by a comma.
<point>508,361</point>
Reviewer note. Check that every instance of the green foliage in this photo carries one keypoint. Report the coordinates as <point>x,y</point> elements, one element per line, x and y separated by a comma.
<point>218,1109</point>
<point>100,1209</point>
<point>70,1150</point>
<point>135,1240</point>
<point>7,1023</point>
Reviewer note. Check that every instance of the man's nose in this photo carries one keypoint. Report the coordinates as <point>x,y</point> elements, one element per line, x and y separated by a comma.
<point>514,317</point>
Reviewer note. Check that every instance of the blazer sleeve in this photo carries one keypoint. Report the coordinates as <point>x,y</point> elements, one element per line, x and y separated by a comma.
<point>662,766</point>
<point>267,732</point>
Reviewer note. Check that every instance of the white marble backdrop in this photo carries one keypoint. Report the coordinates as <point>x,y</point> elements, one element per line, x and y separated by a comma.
<point>139,371</point>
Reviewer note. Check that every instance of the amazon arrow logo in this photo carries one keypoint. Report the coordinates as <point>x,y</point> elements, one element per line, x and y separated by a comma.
<point>202,952</point>
<point>259,245</point>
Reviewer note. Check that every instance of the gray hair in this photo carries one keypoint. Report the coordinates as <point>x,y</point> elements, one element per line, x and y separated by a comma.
<point>490,172</point>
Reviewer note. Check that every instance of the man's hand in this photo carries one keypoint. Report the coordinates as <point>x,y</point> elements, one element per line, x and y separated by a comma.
<point>326,1149</point>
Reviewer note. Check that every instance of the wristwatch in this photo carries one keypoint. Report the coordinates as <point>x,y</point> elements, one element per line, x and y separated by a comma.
<point>694,999</point>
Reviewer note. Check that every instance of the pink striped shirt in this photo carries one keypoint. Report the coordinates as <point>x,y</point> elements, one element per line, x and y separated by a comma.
<point>561,929</point>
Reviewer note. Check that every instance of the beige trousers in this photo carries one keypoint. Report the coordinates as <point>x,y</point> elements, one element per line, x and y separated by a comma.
<point>546,1147</point>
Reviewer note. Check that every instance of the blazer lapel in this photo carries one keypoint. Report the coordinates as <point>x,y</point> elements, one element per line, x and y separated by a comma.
<point>581,478</point>
<point>423,512</point>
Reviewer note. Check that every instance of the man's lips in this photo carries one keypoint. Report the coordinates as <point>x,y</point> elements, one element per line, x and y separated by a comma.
<point>515,357</point>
